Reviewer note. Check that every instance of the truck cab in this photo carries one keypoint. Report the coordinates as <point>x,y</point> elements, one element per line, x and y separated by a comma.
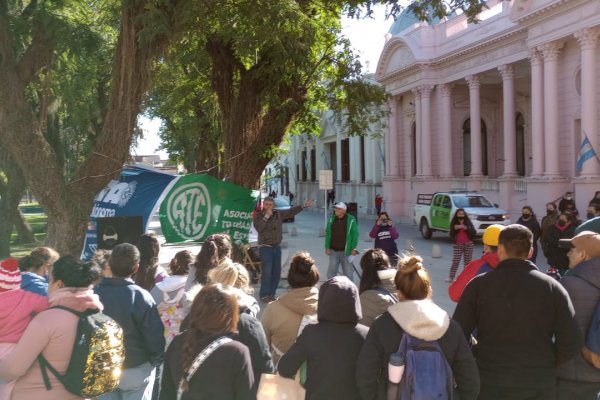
<point>433,212</point>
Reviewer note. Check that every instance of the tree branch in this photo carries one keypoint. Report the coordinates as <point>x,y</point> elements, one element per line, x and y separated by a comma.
<point>39,55</point>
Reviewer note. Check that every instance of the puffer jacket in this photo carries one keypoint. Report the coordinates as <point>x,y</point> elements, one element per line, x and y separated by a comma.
<point>281,319</point>
<point>375,302</point>
<point>330,346</point>
<point>583,285</point>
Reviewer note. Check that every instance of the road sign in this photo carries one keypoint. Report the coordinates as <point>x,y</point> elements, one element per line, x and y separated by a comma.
<point>325,179</point>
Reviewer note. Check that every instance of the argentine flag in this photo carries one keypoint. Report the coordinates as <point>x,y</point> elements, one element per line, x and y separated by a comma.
<point>586,151</point>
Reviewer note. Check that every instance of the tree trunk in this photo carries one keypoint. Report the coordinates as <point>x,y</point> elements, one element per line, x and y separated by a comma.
<point>23,228</point>
<point>10,196</point>
<point>250,125</point>
<point>69,204</point>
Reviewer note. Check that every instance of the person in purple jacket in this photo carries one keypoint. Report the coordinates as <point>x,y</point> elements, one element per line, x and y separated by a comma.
<point>385,234</point>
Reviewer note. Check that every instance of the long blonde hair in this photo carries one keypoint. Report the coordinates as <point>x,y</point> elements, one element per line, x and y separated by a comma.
<point>232,274</point>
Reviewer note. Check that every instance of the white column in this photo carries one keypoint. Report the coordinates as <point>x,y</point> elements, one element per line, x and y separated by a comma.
<point>338,156</point>
<point>425,91</point>
<point>475,110</point>
<point>418,132</point>
<point>392,157</point>
<point>551,52</point>
<point>446,165</point>
<point>537,112</point>
<point>508,112</point>
<point>588,38</point>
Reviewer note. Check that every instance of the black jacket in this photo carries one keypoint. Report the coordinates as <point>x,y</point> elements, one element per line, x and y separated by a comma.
<point>525,325</point>
<point>135,310</point>
<point>225,375</point>
<point>533,225</point>
<point>557,256</point>
<point>331,346</point>
<point>251,334</point>
<point>384,338</point>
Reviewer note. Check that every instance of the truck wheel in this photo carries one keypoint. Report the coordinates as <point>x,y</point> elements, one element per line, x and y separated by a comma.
<point>425,230</point>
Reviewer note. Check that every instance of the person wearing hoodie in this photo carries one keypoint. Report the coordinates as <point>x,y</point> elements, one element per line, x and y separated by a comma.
<point>282,319</point>
<point>17,308</point>
<point>577,378</point>
<point>35,268</point>
<point>523,322</point>
<point>376,285</point>
<point>52,332</point>
<point>385,234</point>
<point>418,316</point>
<point>168,294</point>
<point>484,264</point>
<point>331,346</point>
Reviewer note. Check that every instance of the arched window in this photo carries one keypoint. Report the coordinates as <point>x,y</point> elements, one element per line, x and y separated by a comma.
<point>467,148</point>
<point>520,131</point>
<point>413,149</point>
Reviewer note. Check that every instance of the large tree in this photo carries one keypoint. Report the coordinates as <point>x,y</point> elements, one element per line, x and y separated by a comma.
<point>274,67</point>
<point>32,35</point>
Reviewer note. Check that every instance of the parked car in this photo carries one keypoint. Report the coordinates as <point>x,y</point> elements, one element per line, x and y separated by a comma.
<point>283,204</point>
<point>433,212</point>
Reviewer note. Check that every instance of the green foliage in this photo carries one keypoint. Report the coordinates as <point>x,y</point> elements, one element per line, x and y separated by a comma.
<point>426,10</point>
<point>70,92</point>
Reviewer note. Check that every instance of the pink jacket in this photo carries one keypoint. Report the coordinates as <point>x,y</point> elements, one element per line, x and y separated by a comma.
<point>52,333</point>
<point>17,308</point>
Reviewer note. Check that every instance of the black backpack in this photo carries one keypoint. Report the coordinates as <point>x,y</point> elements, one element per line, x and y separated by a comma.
<point>97,358</point>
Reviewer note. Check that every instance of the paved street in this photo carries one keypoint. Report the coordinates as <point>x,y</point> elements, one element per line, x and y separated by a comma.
<point>308,225</point>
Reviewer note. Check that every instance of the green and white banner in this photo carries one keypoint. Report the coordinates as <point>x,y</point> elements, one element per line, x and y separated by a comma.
<point>198,205</point>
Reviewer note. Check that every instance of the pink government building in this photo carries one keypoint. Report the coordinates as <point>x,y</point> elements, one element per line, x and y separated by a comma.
<point>501,107</point>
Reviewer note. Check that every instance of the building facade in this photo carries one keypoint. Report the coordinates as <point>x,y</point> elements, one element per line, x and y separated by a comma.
<point>357,164</point>
<point>501,106</point>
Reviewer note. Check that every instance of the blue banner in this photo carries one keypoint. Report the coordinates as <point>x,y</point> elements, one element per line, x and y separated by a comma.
<point>134,194</point>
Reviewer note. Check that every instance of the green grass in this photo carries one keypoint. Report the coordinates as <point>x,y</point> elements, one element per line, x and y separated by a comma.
<point>39,224</point>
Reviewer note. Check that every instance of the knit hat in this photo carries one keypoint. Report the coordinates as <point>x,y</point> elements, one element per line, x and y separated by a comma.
<point>10,276</point>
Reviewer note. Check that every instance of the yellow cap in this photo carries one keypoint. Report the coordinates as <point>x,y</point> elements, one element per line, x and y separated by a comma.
<point>492,234</point>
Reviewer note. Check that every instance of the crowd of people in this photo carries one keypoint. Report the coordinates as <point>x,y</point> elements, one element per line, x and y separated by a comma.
<point>194,330</point>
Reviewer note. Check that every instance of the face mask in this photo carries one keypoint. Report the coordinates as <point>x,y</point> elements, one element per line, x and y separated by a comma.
<point>526,216</point>
<point>561,223</point>
<point>461,218</point>
<point>568,197</point>
<point>549,212</point>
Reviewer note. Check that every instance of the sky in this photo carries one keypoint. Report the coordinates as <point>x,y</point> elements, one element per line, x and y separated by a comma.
<point>366,35</point>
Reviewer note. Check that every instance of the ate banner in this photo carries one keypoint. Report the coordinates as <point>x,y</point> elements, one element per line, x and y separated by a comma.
<point>198,205</point>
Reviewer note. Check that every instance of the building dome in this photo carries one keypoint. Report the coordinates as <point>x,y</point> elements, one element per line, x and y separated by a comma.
<point>407,19</point>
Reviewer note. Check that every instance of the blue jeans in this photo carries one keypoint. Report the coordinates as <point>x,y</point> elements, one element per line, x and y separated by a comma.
<point>270,262</point>
<point>135,384</point>
<point>335,259</point>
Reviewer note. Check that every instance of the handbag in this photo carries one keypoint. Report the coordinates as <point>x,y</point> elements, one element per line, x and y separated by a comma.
<point>276,387</point>
<point>204,354</point>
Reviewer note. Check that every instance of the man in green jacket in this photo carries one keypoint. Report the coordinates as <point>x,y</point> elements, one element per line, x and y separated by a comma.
<point>341,239</point>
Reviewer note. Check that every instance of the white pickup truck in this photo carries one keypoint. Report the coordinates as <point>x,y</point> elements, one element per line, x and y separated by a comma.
<point>433,212</point>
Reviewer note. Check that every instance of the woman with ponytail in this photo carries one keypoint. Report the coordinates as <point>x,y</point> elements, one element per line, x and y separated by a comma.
<point>214,250</point>
<point>417,315</point>
<point>283,317</point>
<point>226,373</point>
<point>377,290</point>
